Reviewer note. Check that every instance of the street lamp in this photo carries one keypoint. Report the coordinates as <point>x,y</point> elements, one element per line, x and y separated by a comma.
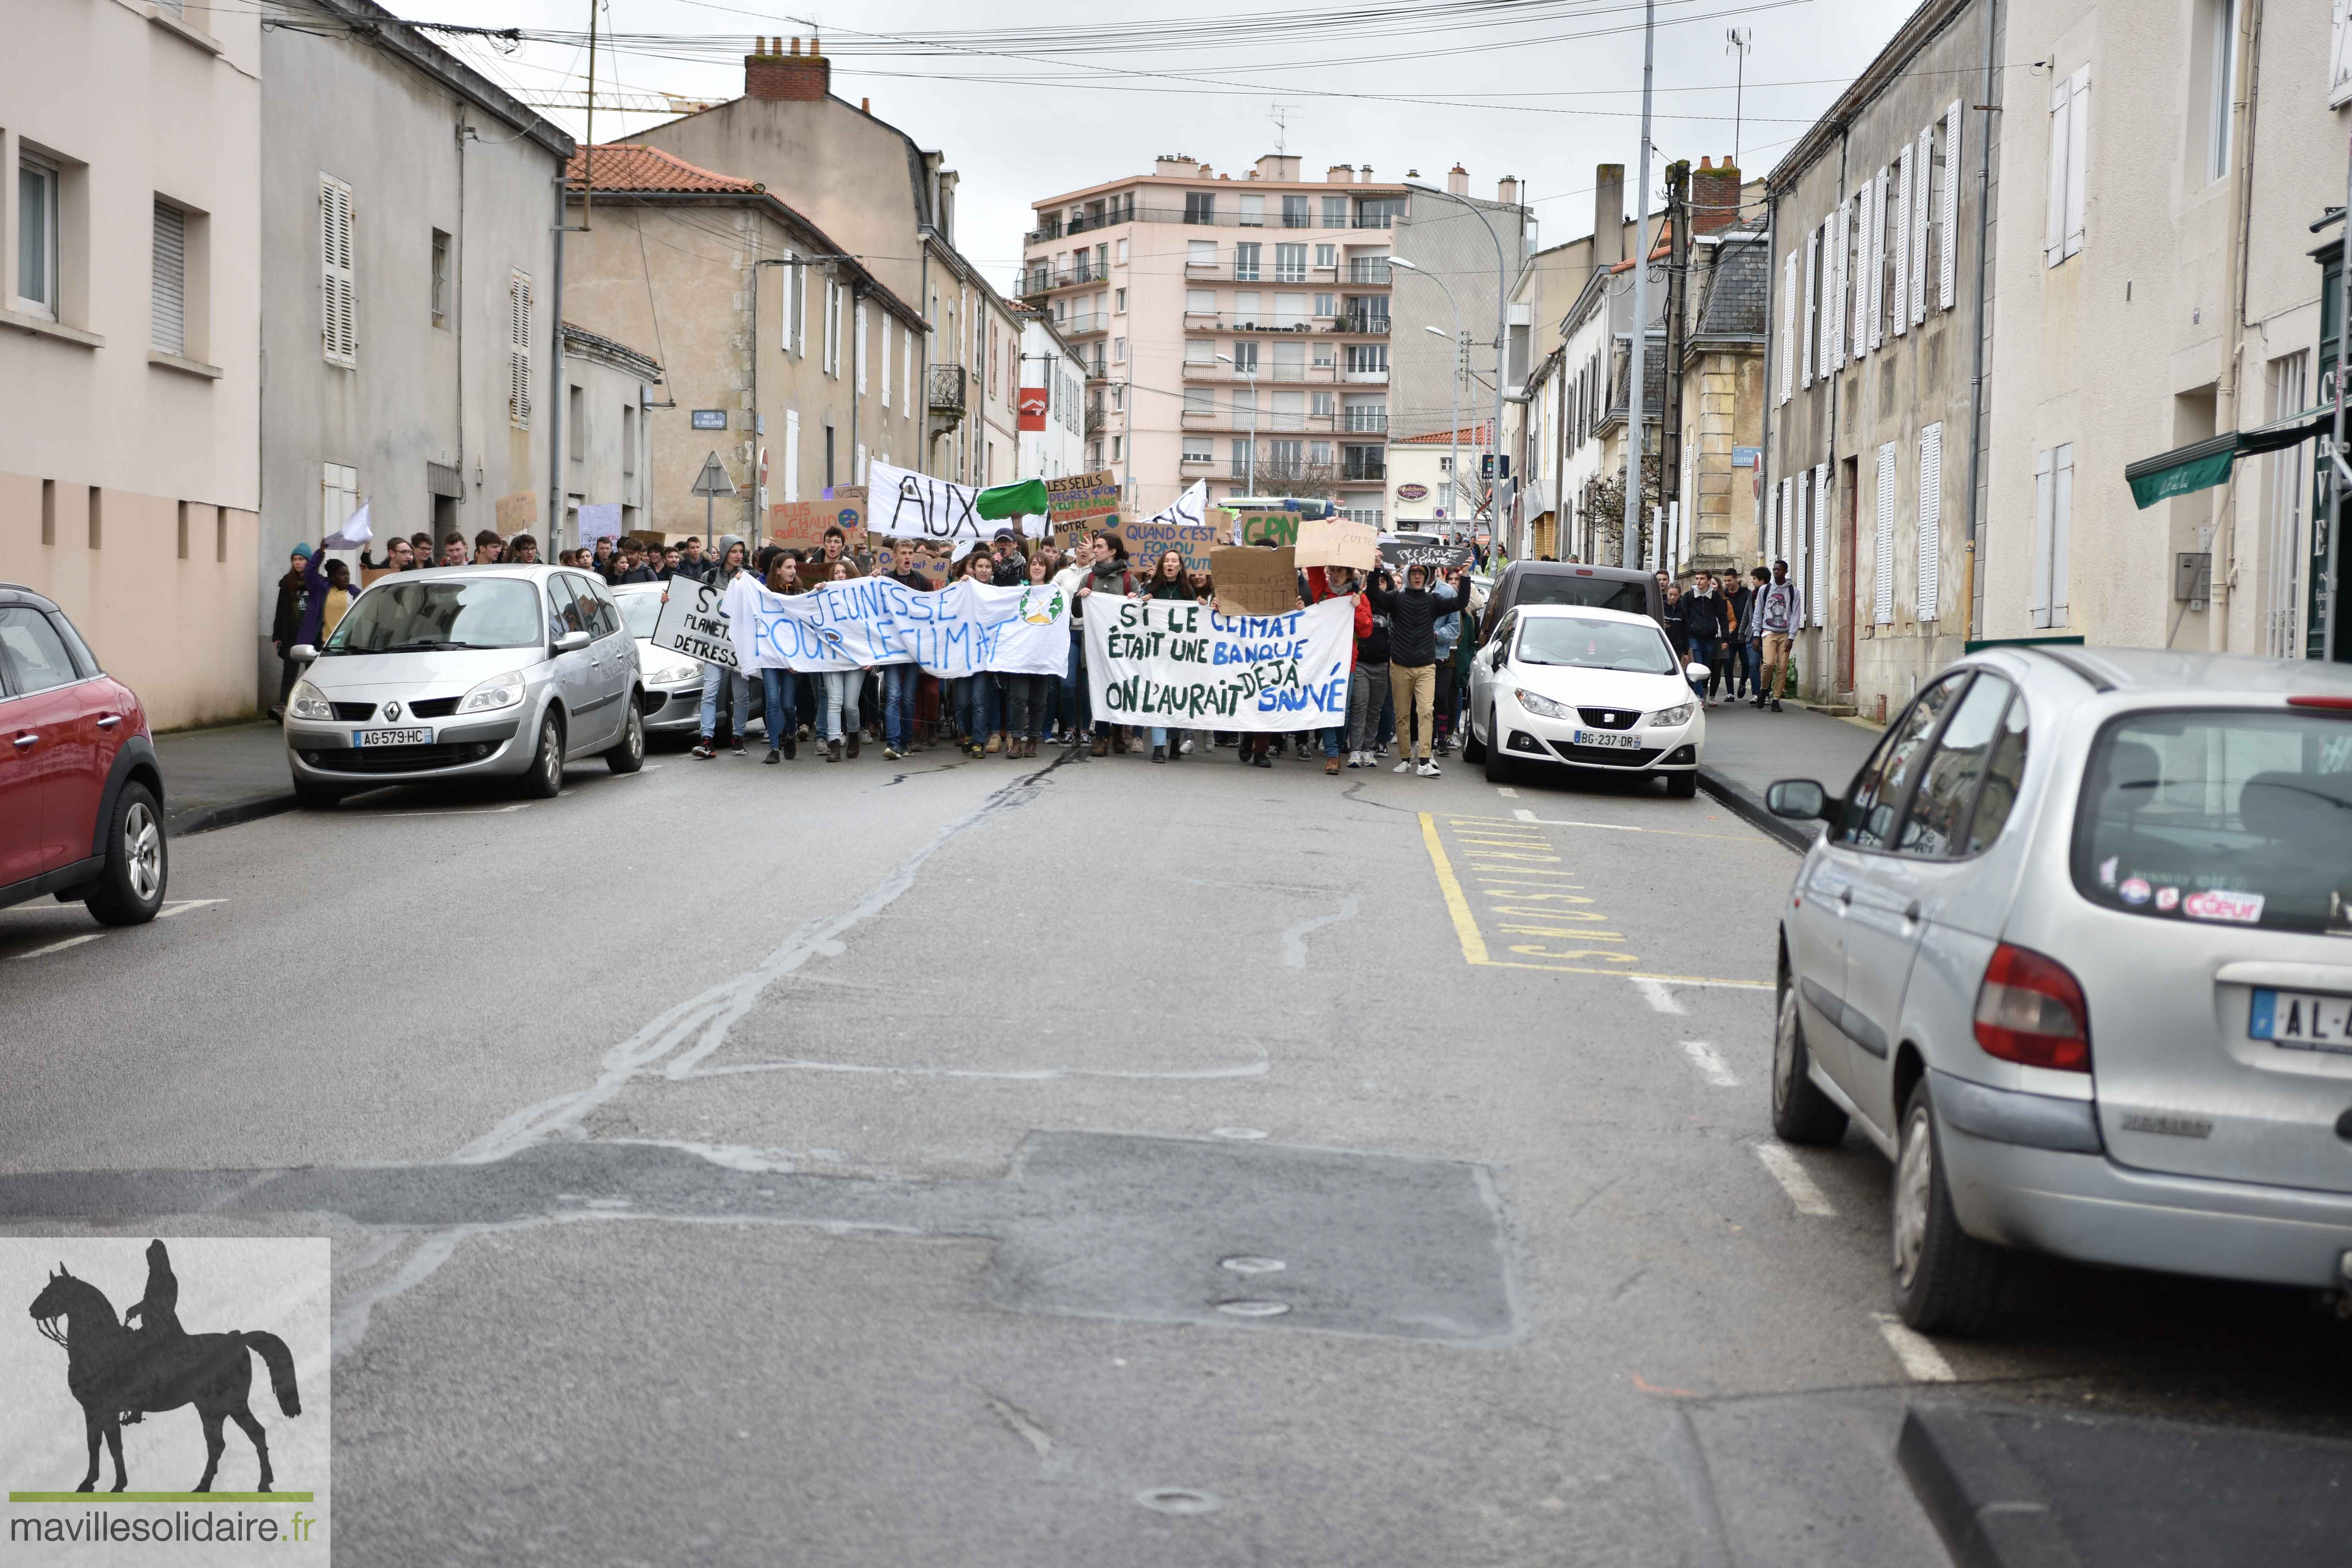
<point>1250,478</point>
<point>1454,389</point>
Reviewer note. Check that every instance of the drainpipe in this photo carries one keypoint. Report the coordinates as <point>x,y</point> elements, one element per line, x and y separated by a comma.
<point>558,403</point>
<point>856,369</point>
<point>1989,106</point>
<point>923,233</point>
<point>1766,485</point>
<point>2223,538</point>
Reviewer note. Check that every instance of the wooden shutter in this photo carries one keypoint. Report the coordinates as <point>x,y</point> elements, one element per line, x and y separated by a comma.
<point>1838,271</point>
<point>1931,519</point>
<point>858,346</point>
<point>519,366</point>
<point>1923,164</point>
<point>2078,156</point>
<point>1788,322</point>
<point>1877,280</point>
<point>884,317</point>
<point>791,454</point>
<point>1947,288</point>
<point>167,311</point>
<point>1816,548</point>
<point>1883,595</point>
<point>2044,495</point>
<point>338,293</point>
<point>1812,302</point>
<point>2062,526</point>
<point>1772,520</point>
<point>1858,263</point>
<point>2053,223</point>
<point>1899,305</point>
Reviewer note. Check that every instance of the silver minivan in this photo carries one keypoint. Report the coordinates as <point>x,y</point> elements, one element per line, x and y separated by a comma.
<point>466,672</point>
<point>2075,952</point>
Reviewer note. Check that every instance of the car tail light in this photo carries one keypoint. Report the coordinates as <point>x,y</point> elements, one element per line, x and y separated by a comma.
<point>2337,702</point>
<point>2030,1010</point>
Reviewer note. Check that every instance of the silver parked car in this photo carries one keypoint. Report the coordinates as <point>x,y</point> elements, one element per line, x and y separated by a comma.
<point>2074,951</point>
<point>466,672</point>
<point>673,682</point>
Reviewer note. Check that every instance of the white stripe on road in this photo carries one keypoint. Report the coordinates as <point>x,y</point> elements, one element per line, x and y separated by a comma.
<point>1510,793</point>
<point>177,907</point>
<point>59,946</point>
<point>185,905</point>
<point>1794,1180</point>
<point>1660,999</point>
<point>1918,1354</point>
<point>1711,1066</point>
<point>1524,815</point>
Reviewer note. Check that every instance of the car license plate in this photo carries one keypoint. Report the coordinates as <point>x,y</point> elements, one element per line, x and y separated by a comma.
<point>2302,1020</point>
<point>413,737</point>
<point>1621,742</point>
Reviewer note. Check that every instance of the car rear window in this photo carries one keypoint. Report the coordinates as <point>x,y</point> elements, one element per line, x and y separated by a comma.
<point>2239,817</point>
<point>1601,593</point>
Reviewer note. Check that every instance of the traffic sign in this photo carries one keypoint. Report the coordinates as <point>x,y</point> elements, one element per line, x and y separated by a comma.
<point>713,479</point>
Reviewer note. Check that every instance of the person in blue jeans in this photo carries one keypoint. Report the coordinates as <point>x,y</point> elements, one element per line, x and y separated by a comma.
<point>900,681</point>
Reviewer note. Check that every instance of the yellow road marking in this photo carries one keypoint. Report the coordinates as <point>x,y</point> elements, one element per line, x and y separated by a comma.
<point>1466,926</point>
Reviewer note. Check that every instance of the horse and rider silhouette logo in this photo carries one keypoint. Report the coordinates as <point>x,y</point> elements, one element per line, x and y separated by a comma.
<point>119,1374</point>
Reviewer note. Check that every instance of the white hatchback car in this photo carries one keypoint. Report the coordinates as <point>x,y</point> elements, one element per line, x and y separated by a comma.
<point>2075,952</point>
<point>1577,686</point>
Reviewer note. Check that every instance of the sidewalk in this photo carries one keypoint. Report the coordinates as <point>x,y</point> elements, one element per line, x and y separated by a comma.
<point>1747,749</point>
<point>218,778</point>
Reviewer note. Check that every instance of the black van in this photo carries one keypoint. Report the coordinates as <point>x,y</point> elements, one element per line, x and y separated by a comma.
<point>1566,583</point>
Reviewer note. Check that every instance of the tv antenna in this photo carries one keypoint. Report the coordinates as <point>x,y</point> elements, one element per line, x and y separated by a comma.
<point>1280,114</point>
<point>1737,42</point>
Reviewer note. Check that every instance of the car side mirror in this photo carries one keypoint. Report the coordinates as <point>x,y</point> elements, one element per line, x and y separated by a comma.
<point>1696,672</point>
<point>1799,800</point>
<point>570,642</point>
<point>302,653</point>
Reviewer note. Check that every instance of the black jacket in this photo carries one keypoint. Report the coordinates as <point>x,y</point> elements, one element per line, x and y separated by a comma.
<point>286,624</point>
<point>1414,615</point>
<point>1676,618</point>
<point>1702,618</point>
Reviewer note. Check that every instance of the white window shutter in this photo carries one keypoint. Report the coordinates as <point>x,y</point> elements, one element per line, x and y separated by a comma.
<point>167,310</point>
<point>1858,312</point>
<point>1883,594</point>
<point>1788,322</point>
<point>1877,279</point>
<point>792,475</point>
<point>884,318</point>
<point>519,366</point>
<point>2053,226</point>
<point>906,375</point>
<point>1812,302</point>
<point>1923,164</point>
<point>1771,532</point>
<point>1817,547</point>
<point>2078,156</point>
<point>337,302</point>
<point>2061,529</point>
<point>1899,305</point>
<point>2044,521</point>
<point>1838,269</point>
<point>857,347</point>
<point>1786,543</point>
<point>1946,287</point>
<point>1931,519</point>
<point>800,316</point>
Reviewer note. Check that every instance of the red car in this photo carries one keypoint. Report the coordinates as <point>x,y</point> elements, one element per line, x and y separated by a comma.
<point>81,795</point>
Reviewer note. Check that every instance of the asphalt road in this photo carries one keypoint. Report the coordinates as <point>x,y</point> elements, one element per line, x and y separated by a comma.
<point>1044,1163</point>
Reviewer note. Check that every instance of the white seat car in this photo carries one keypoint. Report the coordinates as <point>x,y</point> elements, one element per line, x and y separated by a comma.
<point>2075,952</point>
<point>1581,687</point>
<point>466,672</point>
<point>673,682</point>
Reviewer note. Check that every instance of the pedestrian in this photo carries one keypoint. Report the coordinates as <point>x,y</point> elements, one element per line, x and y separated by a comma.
<point>1010,570</point>
<point>1078,704</point>
<point>1447,632</point>
<point>522,551</point>
<point>1735,603</point>
<point>486,547</point>
<point>420,548</point>
<point>1702,630</point>
<point>729,565</point>
<point>690,560</point>
<point>972,692</point>
<point>453,549</point>
<point>1338,582</point>
<point>779,688</point>
<point>337,600</point>
<point>1752,632</point>
<point>668,562</point>
<point>839,691</point>
<point>896,562</point>
<point>1168,582</point>
<point>1370,677</point>
<point>1110,577</point>
<point>399,555</point>
<point>1780,610</point>
<point>1678,632</point>
<point>1412,612</point>
<point>285,622</point>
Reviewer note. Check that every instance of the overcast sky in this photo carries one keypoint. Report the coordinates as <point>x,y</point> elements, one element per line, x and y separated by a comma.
<point>1554,105</point>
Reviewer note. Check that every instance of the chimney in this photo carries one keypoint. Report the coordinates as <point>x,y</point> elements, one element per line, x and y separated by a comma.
<point>1507,190</point>
<point>1457,180</point>
<point>1179,166</point>
<point>1363,173</point>
<point>1340,175</point>
<point>1715,197</point>
<point>1276,166</point>
<point>1608,215</point>
<point>794,77</point>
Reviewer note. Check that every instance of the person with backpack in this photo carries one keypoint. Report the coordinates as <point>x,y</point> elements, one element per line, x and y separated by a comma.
<point>1413,611</point>
<point>1779,610</point>
<point>1110,577</point>
<point>1702,629</point>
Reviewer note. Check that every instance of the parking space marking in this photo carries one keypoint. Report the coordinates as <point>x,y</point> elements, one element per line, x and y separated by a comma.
<point>183,905</point>
<point>1661,1000</point>
<point>1523,816</point>
<point>1794,1180</point>
<point>1920,1358</point>
<point>170,908</point>
<point>57,946</point>
<point>1710,1064</point>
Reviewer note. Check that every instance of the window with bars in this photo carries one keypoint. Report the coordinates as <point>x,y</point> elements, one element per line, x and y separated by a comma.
<point>338,284</point>
<point>1882,574</point>
<point>519,366</point>
<point>440,279</point>
<point>167,308</point>
<point>1931,520</point>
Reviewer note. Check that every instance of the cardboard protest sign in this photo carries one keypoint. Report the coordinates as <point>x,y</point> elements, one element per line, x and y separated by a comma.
<point>1175,662</point>
<point>801,524</point>
<point>1249,527</point>
<point>516,513</point>
<point>692,622</point>
<point>1147,538</point>
<point>1335,541</point>
<point>1078,498</point>
<point>598,519</point>
<point>1405,550</point>
<point>1255,582</point>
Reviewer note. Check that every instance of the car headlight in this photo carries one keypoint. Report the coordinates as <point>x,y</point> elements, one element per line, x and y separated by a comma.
<point>498,691</point>
<point>1669,716</point>
<point>1542,707</point>
<point>663,673</point>
<point>309,702</point>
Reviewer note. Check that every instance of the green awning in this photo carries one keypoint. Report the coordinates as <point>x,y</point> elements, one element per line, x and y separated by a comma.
<point>2201,465</point>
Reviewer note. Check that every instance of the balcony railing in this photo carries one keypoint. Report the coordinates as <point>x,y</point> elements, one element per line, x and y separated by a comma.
<point>947,389</point>
<point>1354,471</point>
<point>1224,216</point>
<point>1368,269</point>
<point>1365,421</point>
<point>1366,377</point>
<point>1363,324</point>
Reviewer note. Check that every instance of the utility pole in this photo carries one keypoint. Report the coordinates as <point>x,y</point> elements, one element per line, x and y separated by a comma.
<point>588,147</point>
<point>1628,553</point>
<point>1670,420</point>
<point>2339,487</point>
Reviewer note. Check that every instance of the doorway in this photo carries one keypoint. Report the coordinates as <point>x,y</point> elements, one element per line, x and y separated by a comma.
<point>1849,510</point>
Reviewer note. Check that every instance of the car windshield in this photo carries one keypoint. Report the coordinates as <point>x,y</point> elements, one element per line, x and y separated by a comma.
<point>1593,592</point>
<point>439,613</point>
<point>2238,816</point>
<point>1595,645</point>
<point>639,612</point>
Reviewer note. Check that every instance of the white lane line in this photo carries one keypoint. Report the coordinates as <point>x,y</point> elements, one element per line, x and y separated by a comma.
<point>1711,1066</point>
<point>183,907</point>
<point>1510,794</point>
<point>174,907</point>
<point>1524,815</point>
<point>1794,1180</point>
<point>1660,999</point>
<point>1918,1354</point>
<point>57,946</point>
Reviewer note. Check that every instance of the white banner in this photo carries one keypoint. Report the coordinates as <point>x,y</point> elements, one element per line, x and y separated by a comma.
<point>904,504</point>
<point>964,629</point>
<point>1175,663</point>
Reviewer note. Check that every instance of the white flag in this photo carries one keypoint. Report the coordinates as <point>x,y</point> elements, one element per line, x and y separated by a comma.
<point>1192,507</point>
<point>355,533</point>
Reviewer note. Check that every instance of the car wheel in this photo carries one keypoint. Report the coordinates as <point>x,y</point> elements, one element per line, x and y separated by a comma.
<point>137,862</point>
<point>1498,765</point>
<point>1474,749</point>
<point>543,780</point>
<point>311,797</point>
<point>1682,786</point>
<point>1946,1281</point>
<point>1801,1113</point>
<point>629,753</point>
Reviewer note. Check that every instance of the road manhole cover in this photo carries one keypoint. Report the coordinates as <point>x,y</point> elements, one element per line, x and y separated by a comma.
<point>1177,1499</point>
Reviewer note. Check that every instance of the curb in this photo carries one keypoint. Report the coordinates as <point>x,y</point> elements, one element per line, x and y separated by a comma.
<point>1986,1507</point>
<point>228,813</point>
<point>1748,805</point>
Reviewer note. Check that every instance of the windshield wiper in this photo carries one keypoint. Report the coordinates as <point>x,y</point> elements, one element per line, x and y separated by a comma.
<point>428,647</point>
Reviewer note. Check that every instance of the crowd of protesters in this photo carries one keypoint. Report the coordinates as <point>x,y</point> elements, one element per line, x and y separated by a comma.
<point>1738,630</point>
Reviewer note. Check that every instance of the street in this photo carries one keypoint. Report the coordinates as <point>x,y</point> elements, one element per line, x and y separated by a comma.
<point>1048,1161</point>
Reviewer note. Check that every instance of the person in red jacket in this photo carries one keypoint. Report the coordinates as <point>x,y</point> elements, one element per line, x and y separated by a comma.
<point>1318,584</point>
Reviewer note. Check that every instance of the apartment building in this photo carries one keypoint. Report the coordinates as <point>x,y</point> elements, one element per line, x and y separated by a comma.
<point>1465,253</point>
<point>1216,350</point>
<point>867,183</point>
<point>777,351</point>
<point>129,338</point>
